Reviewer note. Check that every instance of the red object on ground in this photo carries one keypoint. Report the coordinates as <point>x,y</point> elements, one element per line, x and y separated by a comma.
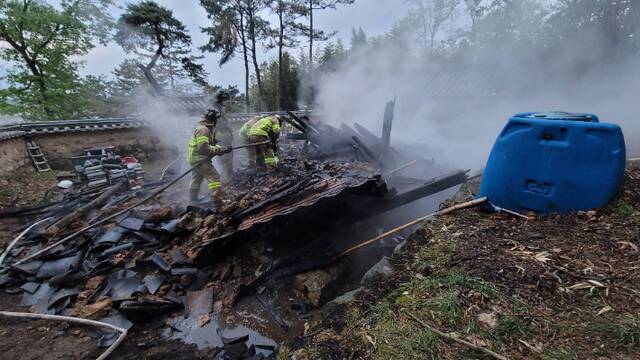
<point>129,160</point>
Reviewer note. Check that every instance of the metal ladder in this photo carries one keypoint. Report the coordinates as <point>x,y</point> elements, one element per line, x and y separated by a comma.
<point>39,161</point>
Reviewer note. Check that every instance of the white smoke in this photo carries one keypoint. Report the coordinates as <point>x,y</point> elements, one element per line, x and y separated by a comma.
<point>460,130</point>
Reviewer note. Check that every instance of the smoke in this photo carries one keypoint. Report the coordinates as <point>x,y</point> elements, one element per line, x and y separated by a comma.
<point>457,120</point>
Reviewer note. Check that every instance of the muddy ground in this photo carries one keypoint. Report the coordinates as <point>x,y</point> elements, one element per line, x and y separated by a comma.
<point>41,339</point>
<point>562,287</point>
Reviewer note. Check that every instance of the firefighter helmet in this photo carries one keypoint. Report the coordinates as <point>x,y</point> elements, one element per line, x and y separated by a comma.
<point>211,116</point>
<point>222,95</point>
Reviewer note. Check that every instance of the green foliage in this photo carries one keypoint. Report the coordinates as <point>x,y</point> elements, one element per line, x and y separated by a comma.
<point>358,38</point>
<point>290,86</point>
<point>560,354</point>
<point>623,332</point>
<point>227,24</point>
<point>237,25</point>
<point>625,209</point>
<point>44,42</point>
<point>399,339</point>
<point>149,26</point>
<point>332,55</point>
<point>509,328</point>
<point>153,34</point>
<point>614,23</point>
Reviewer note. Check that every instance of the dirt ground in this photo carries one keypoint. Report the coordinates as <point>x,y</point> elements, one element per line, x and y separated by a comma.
<point>25,187</point>
<point>560,287</point>
<point>42,339</point>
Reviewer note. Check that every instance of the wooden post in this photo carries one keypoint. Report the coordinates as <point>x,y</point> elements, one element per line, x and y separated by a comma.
<point>387,124</point>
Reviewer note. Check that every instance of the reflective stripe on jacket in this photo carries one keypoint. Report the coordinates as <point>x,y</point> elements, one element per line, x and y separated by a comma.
<point>265,127</point>
<point>244,130</point>
<point>202,144</point>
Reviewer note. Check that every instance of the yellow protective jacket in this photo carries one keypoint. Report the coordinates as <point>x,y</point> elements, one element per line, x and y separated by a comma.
<point>202,144</point>
<point>264,127</point>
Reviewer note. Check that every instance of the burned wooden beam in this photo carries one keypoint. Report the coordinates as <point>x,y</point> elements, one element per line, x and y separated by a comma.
<point>359,208</point>
<point>333,202</point>
<point>387,124</point>
<point>302,123</point>
<point>369,155</point>
<point>350,150</point>
<point>296,125</point>
<point>348,131</point>
<point>297,136</point>
<point>367,135</point>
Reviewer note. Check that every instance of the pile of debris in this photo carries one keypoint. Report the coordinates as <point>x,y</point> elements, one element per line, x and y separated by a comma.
<point>100,167</point>
<point>122,260</point>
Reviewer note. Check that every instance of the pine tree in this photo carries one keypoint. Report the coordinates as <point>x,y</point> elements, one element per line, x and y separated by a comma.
<point>151,32</point>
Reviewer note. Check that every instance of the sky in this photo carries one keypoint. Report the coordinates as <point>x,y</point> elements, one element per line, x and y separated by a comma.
<point>374,16</point>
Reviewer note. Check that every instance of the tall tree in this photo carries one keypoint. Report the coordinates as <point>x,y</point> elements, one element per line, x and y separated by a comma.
<point>313,33</point>
<point>42,42</point>
<point>228,24</point>
<point>614,26</point>
<point>152,32</point>
<point>281,93</point>
<point>288,12</point>
<point>431,15</point>
<point>232,20</point>
<point>358,38</point>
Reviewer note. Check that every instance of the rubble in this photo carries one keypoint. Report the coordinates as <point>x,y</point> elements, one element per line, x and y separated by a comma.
<point>186,265</point>
<point>316,285</point>
<point>381,268</point>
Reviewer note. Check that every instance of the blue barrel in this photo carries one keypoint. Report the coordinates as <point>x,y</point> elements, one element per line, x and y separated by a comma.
<point>555,163</point>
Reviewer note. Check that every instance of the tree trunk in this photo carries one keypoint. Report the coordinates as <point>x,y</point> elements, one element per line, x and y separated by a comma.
<point>146,70</point>
<point>432,43</point>
<point>256,67</point>
<point>243,39</point>
<point>42,88</point>
<point>310,38</point>
<point>280,46</point>
<point>33,67</point>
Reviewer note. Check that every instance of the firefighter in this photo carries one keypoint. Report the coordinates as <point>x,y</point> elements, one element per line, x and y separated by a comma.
<point>224,134</point>
<point>203,146</point>
<point>263,157</point>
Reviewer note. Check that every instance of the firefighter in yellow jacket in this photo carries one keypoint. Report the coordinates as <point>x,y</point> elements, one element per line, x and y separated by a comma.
<point>203,146</point>
<point>257,130</point>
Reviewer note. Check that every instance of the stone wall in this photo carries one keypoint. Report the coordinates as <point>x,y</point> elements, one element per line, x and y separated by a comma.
<point>13,155</point>
<point>58,148</point>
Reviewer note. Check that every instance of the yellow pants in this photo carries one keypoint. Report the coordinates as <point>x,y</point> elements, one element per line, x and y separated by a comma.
<point>261,157</point>
<point>206,171</point>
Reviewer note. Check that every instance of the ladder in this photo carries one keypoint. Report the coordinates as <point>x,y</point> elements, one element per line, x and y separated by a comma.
<point>39,161</point>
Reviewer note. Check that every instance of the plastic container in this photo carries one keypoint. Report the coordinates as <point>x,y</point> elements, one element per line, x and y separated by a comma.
<point>555,162</point>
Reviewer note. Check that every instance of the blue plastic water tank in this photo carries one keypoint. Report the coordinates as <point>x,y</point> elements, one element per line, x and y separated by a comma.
<point>555,162</point>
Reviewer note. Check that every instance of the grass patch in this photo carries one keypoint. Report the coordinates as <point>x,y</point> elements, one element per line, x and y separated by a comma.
<point>625,209</point>
<point>624,332</point>
<point>559,354</point>
<point>445,309</point>
<point>8,192</point>
<point>509,328</point>
<point>397,339</point>
<point>441,245</point>
<point>436,299</point>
